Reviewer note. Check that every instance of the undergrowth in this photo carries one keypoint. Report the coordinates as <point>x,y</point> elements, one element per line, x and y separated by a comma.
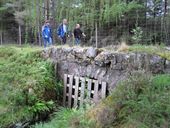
<point>138,102</point>
<point>141,101</point>
<point>27,84</point>
<point>159,50</point>
<point>68,118</point>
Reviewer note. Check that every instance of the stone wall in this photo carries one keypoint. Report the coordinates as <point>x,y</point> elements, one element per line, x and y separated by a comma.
<point>103,65</point>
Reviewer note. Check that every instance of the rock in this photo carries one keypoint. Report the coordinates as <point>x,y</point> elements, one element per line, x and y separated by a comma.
<point>110,67</point>
<point>62,69</point>
<point>67,49</point>
<point>91,52</point>
<point>167,48</point>
<point>85,62</point>
<point>104,59</point>
<point>117,66</point>
<point>73,69</point>
<point>21,125</point>
<point>82,70</point>
<point>70,57</point>
<point>155,60</point>
<point>53,52</point>
<point>119,58</point>
<point>139,61</point>
<point>79,53</point>
<point>46,53</point>
<point>157,64</point>
<point>89,70</point>
<point>18,125</point>
<point>167,66</point>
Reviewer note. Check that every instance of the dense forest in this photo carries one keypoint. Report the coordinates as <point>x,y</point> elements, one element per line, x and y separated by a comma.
<point>133,21</point>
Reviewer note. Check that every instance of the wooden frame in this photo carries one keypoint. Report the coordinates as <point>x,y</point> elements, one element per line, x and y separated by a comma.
<point>78,89</point>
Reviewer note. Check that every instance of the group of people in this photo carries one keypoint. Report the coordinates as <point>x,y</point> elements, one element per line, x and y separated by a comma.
<point>62,33</point>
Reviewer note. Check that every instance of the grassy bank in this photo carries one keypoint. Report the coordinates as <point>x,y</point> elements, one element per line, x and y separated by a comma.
<point>159,50</point>
<point>27,84</point>
<point>156,50</point>
<point>28,89</point>
<point>141,101</point>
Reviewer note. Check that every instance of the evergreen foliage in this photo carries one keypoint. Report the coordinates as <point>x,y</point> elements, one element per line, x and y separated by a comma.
<point>114,17</point>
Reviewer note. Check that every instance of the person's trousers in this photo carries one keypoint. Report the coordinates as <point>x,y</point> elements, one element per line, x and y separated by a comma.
<point>47,42</point>
<point>64,39</point>
<point>77,41</point>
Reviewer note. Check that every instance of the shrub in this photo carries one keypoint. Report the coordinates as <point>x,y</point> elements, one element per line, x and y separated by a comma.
<point>138,34</point>
<point>68,118</point>
<point>25,78</point>
<point>138,102</point>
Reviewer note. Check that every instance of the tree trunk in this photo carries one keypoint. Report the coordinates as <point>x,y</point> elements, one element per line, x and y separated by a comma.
<point>96,35</point>
<point>1,37</point>
<point>53,19</point>
<point>165,8</point>
<point>20,36</point>
<point>47,10</point>
<point>38,22</point>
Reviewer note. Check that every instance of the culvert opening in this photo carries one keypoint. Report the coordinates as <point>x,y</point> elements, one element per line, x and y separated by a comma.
<point>81,90</point>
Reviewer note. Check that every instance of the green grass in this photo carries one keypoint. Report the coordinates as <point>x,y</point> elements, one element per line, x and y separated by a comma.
<point>60,121</point>
<point>22,69</point>
<point>67,118</point>
<point>141,101</point>
<point>157,50</point>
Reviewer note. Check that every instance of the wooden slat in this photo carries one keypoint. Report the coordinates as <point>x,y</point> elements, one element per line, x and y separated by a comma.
<point>80,98</point>
<point>76,91</point>
<point>103,90</point>
<point>89,88</point>
<point>82,91</point>
<point>96,87</point>
<point>70,90</point>
<point>65,90</point>
<point>74,87</point>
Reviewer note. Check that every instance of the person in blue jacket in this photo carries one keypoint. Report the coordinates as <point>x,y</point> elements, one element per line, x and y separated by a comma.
<point>62,31</point>
<point>47,34</point>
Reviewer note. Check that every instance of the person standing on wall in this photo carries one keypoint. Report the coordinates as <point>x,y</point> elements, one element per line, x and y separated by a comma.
<point>78,34</point>
<point>47,34</point>
<point>62,31</point>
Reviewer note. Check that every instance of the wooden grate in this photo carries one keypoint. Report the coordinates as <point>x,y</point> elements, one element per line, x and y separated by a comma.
<point>78,89</point>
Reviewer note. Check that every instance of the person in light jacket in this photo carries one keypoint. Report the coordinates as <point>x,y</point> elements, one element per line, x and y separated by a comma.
<point>47,34</point>
<point>62,31</point>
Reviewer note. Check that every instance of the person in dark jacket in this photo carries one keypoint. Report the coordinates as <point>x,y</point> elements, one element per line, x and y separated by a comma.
<point>47,34</point>
<point>62,31</point>
<point>78,34</point>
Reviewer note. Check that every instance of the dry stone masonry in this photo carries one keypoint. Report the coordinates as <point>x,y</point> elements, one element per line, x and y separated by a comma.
<point>108,66</point>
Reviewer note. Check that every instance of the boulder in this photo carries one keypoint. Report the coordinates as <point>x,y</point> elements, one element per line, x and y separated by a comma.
<point>91,52</point>
<point>103,65</point>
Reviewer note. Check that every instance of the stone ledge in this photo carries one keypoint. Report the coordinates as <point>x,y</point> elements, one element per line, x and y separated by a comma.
<point>104,65</point>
